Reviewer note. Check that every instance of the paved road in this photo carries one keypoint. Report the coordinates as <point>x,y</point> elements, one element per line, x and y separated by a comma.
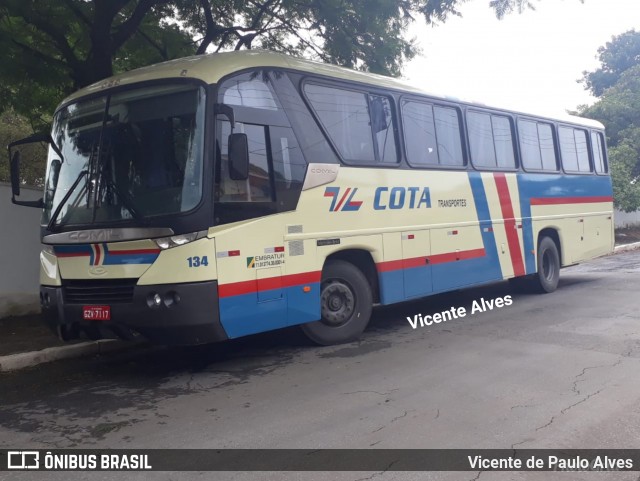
<point>552,371</point>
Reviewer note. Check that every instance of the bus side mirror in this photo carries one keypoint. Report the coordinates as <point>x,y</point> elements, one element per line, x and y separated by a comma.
<point>14,167</point>
<point>15,173</point>
<point>238,157</point>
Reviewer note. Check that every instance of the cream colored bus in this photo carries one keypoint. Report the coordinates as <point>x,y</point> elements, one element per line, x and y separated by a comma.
<point>219,196</point>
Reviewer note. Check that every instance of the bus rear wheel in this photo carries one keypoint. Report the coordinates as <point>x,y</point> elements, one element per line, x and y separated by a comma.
<point>345,304</point>
<point>548,265</point>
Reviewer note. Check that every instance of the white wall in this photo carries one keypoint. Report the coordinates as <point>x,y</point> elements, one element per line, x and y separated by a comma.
<point>624,219</point>
<point>19,253</point>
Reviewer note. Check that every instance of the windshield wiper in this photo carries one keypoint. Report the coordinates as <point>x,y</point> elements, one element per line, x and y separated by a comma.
<point>56,213</point>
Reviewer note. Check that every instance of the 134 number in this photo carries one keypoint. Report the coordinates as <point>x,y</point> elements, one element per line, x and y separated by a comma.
<point>197,261</point>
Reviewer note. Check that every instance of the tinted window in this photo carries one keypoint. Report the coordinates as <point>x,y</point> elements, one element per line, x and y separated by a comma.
<point>432,134</point>
<point>582,150</point>
<point>537,146</point>
<point>420,133</point>
<point>360,125</point>
<point>313,142</point>
<point>597,144</point>
<point>345,116</point>
<point>249,90</point>
<point>547,147</point>
<point>529,144</point>
<point>573,147</point>
<point>483,152</point>
<point>448,134</point>
<point>503,141</point>
<point>382,125</point>
<point>568,149</point>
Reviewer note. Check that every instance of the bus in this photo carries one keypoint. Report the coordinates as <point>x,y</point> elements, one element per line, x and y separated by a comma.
<point>223,195</point>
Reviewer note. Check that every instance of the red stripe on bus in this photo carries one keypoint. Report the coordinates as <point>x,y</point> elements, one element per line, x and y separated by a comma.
<point>569,200</point>
<point>344,197</point>
<point>509,224</point>
<point>456,256</point>
<point>96,261</point>
<point>248,287</point>
<point>434,259</point>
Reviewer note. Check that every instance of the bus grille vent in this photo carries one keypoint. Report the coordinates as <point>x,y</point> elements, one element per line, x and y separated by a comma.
<point>103,291</point>
<point>294,229</point>
<point>296,248</point>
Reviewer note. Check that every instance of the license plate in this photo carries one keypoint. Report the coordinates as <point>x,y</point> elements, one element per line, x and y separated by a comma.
<point>96,313</point>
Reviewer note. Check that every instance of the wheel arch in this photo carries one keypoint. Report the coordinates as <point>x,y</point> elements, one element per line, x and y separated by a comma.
<point>363,260</point>
<point>554,234</point>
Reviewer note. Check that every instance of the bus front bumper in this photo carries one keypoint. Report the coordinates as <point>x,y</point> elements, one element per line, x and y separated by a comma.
<point>190,315</point>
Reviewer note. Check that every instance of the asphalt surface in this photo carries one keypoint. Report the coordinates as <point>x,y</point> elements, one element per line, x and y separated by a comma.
<point>550,371</point>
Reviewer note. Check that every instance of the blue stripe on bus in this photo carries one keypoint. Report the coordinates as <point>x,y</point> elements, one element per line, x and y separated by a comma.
<point>242,315</point>
<point>486,226</point>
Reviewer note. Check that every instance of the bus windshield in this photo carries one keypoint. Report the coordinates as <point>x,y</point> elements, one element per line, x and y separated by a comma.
<point>126,156</point>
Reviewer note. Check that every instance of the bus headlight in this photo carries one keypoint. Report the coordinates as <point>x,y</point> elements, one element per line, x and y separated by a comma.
<point>178,240</point>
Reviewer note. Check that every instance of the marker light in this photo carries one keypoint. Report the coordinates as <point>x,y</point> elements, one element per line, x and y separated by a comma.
<point>178,240</point>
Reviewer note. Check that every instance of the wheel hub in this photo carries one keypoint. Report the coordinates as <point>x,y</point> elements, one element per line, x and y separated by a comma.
<point>338,303</point>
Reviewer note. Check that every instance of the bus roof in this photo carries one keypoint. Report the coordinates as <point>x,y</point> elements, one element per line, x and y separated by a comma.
<point>211,68</point>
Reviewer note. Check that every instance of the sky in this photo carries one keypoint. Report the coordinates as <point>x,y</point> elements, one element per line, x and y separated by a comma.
<point>529,62</point>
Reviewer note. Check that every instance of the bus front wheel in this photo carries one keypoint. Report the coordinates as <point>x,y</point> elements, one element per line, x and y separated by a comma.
<point>548,265</point>
<point>345,305</point>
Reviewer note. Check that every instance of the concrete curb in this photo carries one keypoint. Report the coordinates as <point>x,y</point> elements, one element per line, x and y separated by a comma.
<point>14,362</point>
<point>627,247</point>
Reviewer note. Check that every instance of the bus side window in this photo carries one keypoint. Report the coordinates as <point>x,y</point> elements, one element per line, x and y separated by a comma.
<point>490,140</point>
<point>359,124</point>
<point>449,136</point>
<point>574,150</point>
<point>597,145</point>
<point>537,146</point>
<point>483,152</point>
<point>382,125</point>
<point>420,134</point>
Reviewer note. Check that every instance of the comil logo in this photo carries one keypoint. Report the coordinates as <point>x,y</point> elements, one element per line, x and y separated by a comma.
<point>342,202</point>
<point>23,460</point>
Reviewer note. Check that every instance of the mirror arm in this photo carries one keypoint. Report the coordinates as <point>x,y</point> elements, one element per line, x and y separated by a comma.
<point>37,138</point>
<point>28,203</point>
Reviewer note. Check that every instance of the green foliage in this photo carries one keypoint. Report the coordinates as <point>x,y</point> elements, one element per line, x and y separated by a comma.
<point>624,174</point>
<point>617,83</point>
<point>616,57</point>
<point>49,48</point>
<point>619,107</point>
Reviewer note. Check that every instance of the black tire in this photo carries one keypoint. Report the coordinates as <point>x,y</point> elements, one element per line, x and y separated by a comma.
<point>346,303</point>
<point>548,266</point>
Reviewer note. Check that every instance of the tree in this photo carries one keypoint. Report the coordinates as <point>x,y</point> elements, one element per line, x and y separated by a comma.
<point>616,57</point>
<point>617,84</point>
<point>626,182</point>
<point>49,48</point>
